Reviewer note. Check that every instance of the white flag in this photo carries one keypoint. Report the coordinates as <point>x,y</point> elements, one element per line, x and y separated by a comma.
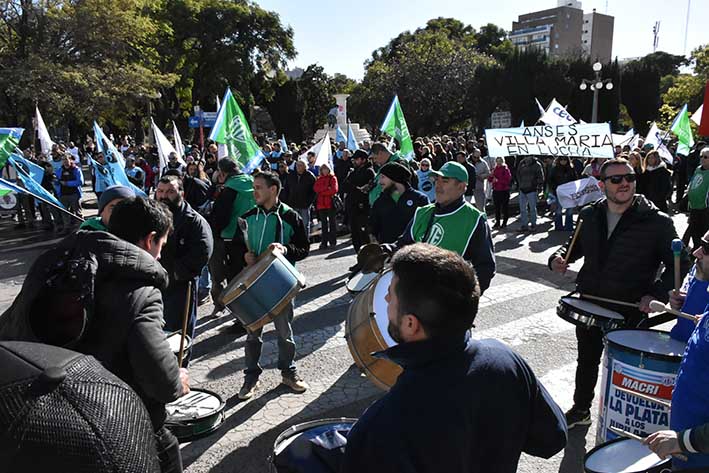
<point>654,136</point>
<point>324,155</point>
<point>539,106</point>
<point>45,141</point>
<point>578,193</point>
<point>622,140</point>
<point>178,141</point>
<point>556,114</point>
<point>697,116</point>
<point>315,149</point>
<point>164,147</point>
<point>635,142</point>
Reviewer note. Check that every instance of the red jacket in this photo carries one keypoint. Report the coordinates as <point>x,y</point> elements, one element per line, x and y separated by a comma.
<point>325,187</point>
<point>501,177</point>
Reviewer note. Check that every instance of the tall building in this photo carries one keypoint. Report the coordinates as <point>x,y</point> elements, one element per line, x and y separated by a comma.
<point>565,31</point>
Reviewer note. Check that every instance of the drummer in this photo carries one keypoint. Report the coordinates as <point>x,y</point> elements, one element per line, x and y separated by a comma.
<point>453,224</point>
<point>624,239</point>
<point>460,405</point>
<point>272,225</point>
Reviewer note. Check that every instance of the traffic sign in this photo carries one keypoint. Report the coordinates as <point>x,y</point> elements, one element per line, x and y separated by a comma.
<point>193,122</point>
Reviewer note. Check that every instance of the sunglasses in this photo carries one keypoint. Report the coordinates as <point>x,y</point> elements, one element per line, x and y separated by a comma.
<point>618,179</point>
<point>424,165</point>
<point>704,246</point>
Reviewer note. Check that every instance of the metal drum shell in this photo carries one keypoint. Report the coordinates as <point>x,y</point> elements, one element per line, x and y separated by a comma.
<point>585,319</point>
<point>199,426</point>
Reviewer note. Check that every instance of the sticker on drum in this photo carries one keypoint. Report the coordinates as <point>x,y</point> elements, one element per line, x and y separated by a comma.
<point>624,456</point>
<point>196,414</point>
<point>380,307</point>
<point>591,308</point>
<point>360,281</point>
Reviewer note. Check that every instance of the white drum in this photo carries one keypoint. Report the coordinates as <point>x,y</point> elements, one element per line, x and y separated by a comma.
<point>624,456</point>
<point>360,281</point>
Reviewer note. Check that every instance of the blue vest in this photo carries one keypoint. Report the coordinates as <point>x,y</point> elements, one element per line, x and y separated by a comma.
<point>697,299</point>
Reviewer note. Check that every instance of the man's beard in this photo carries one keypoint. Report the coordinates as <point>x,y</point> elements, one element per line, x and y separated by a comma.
<point>394,332</point>
<point>172,205</point>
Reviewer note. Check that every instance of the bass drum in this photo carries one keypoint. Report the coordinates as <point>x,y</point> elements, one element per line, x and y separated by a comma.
<point>366,332</point>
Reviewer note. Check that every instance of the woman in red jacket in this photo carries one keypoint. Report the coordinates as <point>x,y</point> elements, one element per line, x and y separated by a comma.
<point>326,187</point>
<point>501,177</point>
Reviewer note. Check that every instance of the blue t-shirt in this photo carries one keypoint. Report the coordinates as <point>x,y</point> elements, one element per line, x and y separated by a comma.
<point>697,299</point>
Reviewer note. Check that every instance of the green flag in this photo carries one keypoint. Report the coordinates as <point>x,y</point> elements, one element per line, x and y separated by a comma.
<point>232,130</point>
<point>683,130</point>
<point>9,139</point>
<point>394,125</point>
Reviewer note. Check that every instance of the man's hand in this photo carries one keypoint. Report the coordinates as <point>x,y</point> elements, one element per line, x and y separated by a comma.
<point>278,248</point>
<point>645,303</point>
<point>184,380</point>
<point>664,443</point>
<point>558,265</point>
<point>250,258</point>
<point>677,299</point>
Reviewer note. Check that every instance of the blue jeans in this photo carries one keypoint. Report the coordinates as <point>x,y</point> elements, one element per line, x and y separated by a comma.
<point>305,215</point>
<point>569,213</point>
<point>286,346</point>
<point>205,282</point>
<point>528,199</point>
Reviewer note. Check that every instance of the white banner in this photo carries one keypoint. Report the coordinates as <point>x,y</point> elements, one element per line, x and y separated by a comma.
<point>592,140</point>
<point>578,193</point>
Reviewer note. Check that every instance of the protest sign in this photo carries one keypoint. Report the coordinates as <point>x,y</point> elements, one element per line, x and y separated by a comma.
<point>578,193</point>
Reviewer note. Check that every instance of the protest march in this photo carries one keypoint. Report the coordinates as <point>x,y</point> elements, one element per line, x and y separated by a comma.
<point>217,260</point>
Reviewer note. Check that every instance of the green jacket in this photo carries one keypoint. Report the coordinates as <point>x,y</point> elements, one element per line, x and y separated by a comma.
<point>93,223</point>
<point>243,185</point>
<point>698,192</point>
<point>280,224</point>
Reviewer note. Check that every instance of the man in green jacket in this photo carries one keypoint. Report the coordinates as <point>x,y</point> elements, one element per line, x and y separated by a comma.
<point>109,198</point>
<point>697,196</point>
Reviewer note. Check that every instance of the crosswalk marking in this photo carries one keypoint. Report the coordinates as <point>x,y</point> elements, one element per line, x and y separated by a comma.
<point>526,329</point>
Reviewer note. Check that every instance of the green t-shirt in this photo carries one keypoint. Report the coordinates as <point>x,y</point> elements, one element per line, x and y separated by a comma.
<point>698,189</point>
<point>451,231</point>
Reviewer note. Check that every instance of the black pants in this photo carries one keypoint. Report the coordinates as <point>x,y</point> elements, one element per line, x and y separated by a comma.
<point>168,451</point>
<point>697,226</point>
<point>501,199</point>
<point>359,229</point>
<point>328,223</point>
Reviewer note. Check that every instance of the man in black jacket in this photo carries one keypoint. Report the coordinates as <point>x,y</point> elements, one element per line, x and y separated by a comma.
<point>623,240</point>
<point>186,252</point>
<point>300,192</point>
<point>123,312</point>
<point>396,205</point>
<point>460,405</point>
<point>357,201</point>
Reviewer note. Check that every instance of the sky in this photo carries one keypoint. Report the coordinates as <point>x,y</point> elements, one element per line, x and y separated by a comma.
<point>340,36</point>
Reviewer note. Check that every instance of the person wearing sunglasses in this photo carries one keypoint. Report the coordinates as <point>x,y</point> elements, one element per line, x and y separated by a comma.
<point>624,239</point>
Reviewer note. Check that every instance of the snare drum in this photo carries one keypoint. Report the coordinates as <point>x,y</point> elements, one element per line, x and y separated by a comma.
<point>366,332</point>
<point>293,451</point>
<point>261,291</point>
<point>624,456</point>
<point>587,314</point>
<point>360,281</point>
<point>195,415</point>
<point>174,340</point>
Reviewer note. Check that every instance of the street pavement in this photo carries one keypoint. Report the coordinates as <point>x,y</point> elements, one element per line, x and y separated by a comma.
<point>518,309</point>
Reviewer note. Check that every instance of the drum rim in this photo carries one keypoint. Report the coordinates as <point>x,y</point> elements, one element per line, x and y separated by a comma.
<point>298,428</point>
<point>222,403</point>
<point>219,417</point>
<point>585,312</point>
<point>605,444</point>
<point>587,320</point>
<point>659,356</point>
<point>347,285</point>
<point>188,339</point>
<point>248,277</point>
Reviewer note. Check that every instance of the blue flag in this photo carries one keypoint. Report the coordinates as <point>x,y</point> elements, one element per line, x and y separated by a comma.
<point>351,140</point>
<point>284,144</point>
<point>340,136</point>
<point>32,188</point>
<point>36,172</point>
<point>114,161</point>
<point>102,170</point>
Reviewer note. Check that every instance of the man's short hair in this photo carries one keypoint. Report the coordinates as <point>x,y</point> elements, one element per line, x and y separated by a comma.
<point>270,178</point>
<point>704,152</point>
<point>169,179</point>
<point>227,165</point>
<point>613,162</point>
<point>133,219</point>
<point>437,286</point>
<point>379,148</point>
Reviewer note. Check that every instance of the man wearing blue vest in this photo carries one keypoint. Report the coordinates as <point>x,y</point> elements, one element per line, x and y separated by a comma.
<point>453,224</point>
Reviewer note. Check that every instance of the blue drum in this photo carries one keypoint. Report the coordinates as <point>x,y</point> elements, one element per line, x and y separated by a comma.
<point>639,371</point>
<point>261,291</point>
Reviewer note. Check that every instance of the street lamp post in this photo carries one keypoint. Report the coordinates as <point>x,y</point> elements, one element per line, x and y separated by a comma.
<point>596,84</point>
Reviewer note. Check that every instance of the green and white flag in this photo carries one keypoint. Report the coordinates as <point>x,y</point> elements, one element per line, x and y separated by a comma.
<point>232,130</point>
<point>683,130</point>
<point>394,125</point>
<point>9,140</point>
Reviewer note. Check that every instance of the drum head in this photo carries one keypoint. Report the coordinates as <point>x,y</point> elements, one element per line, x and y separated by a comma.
<point>174,340</point>
<point>653,342</point>
<point>622,456</point>
<point>312,447</point>
<point>586,307</point>
<point>311,430</point>
<point>360,281</point>
<point>380,306</point>
<point>195,405</point>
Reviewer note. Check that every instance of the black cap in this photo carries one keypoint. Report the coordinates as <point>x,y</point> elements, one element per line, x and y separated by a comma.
<point>360,153</point>
<point>396,172</point>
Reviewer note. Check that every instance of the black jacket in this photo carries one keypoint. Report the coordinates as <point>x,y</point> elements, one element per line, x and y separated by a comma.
<point>300,190</point>
<point>487,407</point>
<point>189,246</point>
<point>388,219</point>
<point>530,174</point>
<point>342,169</point>
<point>356,200</point>
<point>470,190</point>
<point>624,266</point>
<point>559,175</point>
<point>196,191</point>
<point>656,185</point>
<point>125,332</point>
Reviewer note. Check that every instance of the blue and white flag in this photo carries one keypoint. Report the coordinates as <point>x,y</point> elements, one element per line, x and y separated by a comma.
<point>284,144</point>
<point>351,140</point>
<point>556,114</point>
<point>36,172</point>
<point>340,136</point>
<point>114,160</point>
<point>32,187</point>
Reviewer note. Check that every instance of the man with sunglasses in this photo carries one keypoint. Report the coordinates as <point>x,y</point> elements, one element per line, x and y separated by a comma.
<point>623,240</point>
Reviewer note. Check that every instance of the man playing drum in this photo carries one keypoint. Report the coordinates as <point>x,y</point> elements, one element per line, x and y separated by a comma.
<point>623,239</point>
<point>460,405</point>
<point>272,225</point>
<point>453,224</point>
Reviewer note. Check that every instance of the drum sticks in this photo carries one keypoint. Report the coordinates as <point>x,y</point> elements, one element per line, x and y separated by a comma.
<point>658,306</point>
<point>612,301</point>
<point>630,435</point>
<point>573,241</point>
<point>677,251</point>
<point>185,317</point>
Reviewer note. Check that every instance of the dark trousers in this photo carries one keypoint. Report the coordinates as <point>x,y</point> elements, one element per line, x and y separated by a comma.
<point>174,302</point>
<point>697,226</point>
<point>168,451</point>
<point>329,226</point>
<point>359,229</point>
<point>501,199</point>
